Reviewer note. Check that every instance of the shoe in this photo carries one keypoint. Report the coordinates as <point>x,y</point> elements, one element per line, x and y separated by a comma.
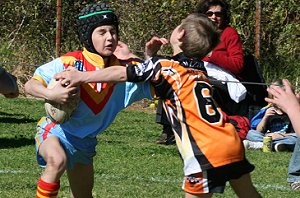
<point>165,139</point>
<point>170,140</point>
<point>252,145</point>
<point>280,147</point>
<point>162,139</point>
<point>295,185</point>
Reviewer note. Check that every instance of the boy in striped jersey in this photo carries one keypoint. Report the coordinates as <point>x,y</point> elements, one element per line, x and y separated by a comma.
<point>210,147</point>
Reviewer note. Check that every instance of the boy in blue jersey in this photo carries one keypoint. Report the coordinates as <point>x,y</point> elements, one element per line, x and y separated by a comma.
<point>70,146</point>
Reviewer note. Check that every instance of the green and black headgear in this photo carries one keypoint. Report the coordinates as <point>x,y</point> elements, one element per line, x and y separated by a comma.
<point>91,17</point>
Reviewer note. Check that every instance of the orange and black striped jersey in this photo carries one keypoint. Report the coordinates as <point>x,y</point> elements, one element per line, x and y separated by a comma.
<point>203,138</point>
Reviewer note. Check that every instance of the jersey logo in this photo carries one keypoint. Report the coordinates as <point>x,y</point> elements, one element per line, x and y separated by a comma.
<point>96,100</point>
<point>78,64</point>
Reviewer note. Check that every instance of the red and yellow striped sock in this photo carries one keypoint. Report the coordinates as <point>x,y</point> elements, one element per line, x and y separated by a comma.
<point>45,190</point>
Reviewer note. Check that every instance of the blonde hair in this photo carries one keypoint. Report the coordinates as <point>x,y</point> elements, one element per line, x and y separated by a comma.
<point>201,36</point>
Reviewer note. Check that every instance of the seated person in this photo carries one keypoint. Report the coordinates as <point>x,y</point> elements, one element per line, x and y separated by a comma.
<point>271,121</point>
<point>227,56</point>
<point>289,102</point>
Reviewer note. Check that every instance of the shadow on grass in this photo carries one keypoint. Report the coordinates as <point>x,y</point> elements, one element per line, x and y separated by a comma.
<point>13,118</point>
<point>15,142</point>
<point>17,120</point>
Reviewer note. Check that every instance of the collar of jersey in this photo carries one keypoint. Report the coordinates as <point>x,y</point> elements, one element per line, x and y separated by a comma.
<point>97,60</point>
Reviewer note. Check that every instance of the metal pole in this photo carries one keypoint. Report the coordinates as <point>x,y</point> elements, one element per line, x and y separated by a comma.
<point>257,29</point>
<point>58,27</point>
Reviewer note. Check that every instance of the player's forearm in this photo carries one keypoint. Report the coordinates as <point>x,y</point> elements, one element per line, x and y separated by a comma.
<point>294,115</point>
<point>36,88</point>
<point>110,74</point>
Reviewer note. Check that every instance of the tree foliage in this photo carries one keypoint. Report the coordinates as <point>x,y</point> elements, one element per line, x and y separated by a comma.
<point>29,28</point>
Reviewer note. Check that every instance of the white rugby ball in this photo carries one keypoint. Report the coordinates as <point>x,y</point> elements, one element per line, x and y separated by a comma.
<point>60,113</point>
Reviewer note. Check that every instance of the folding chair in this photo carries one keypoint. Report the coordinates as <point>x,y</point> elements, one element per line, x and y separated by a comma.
<point>256,93</point>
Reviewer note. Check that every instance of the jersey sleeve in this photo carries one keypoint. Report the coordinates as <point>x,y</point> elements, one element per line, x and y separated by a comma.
<point>140,72</point>
<point>46,72</point>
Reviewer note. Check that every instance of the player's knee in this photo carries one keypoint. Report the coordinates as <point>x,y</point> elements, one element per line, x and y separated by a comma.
<point>57,162</point>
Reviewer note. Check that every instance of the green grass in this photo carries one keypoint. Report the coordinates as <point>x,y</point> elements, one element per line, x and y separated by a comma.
<point>128,163</point>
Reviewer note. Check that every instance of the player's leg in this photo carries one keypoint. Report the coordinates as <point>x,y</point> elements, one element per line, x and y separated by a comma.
<point>208,195</point>
<point>55,157</point>
<point>244,187</point>
<point>81,179</point>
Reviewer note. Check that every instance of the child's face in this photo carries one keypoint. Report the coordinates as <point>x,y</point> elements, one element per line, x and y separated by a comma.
<point>105,39</point>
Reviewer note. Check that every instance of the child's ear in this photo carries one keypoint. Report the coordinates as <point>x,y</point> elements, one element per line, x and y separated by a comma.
<point>180,34</point>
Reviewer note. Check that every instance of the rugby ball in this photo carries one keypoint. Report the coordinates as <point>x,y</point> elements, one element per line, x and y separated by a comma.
<point>60,113</point>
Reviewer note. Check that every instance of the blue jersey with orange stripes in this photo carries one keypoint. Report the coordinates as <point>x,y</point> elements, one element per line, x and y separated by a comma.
<point>99,102</point>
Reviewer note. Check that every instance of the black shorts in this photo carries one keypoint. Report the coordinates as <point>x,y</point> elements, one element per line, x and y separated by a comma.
<point>214,180</point>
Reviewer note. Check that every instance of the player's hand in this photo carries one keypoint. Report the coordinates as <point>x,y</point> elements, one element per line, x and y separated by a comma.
<point>285,99</point>
<point>152,46</point>
<point>70,77</point>
<point>123,52</point>
<point>63,94</point>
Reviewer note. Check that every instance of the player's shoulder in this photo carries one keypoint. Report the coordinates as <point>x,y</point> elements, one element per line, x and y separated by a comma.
<point>74,53</point>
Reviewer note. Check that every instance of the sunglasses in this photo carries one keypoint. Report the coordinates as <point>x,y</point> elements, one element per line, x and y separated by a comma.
<point>217,14</point>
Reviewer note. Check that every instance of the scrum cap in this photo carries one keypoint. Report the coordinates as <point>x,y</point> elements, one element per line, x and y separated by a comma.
<point>91,17</point>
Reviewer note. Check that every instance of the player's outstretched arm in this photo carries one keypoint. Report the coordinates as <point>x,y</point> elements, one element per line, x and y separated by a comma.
<point>73,77</point>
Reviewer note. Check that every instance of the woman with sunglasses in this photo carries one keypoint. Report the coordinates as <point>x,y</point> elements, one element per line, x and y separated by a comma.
<point>227,56</point>
<point>229,53</point>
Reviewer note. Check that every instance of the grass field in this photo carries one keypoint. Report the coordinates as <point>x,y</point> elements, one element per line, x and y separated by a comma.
<point>128,163</point>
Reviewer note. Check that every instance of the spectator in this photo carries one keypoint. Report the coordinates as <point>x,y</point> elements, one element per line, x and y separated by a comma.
<point>8,84</point>
<point>289,102</point>
<point>271,121</point>
<point>226,59</point>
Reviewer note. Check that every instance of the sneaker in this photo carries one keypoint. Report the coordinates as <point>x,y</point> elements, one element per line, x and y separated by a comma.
<point>252,145</point>
<point>295,185</point>
<point>280,147</point>
<point>170,140</point>
<point>162,138</point>
<point>165,139</point>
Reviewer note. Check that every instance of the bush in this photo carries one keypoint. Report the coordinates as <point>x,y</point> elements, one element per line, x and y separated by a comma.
<point>29,29</point>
